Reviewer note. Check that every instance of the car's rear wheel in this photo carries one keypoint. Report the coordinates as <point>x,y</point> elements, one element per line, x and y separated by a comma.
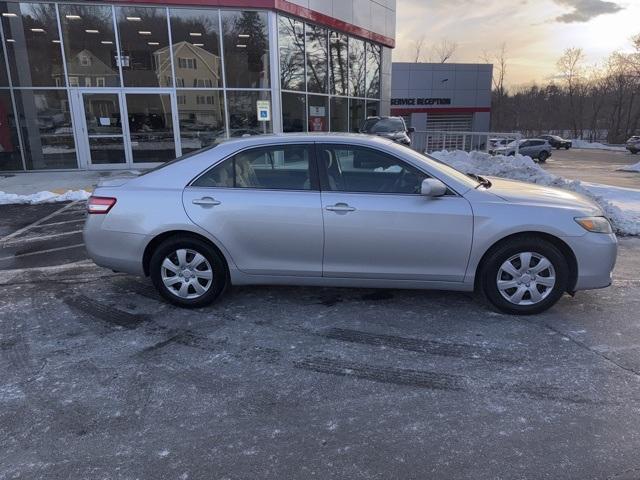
<point>542,157</point>
<point>188,272</point>
<point>524,277</point>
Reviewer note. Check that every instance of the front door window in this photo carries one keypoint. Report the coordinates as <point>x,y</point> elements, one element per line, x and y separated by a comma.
<point>104,128</point>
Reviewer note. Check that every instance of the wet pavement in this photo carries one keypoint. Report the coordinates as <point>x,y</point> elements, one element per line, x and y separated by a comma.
<point>101,379</point>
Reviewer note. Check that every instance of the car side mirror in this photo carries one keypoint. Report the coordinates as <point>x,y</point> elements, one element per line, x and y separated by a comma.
<point>432,187</point>
<point>411,130</point>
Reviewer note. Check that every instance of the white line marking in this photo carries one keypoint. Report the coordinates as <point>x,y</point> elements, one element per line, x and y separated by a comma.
<point>58,223</point>
<point>42,251</point>
<point>37,239</point>
<point>37,222</point>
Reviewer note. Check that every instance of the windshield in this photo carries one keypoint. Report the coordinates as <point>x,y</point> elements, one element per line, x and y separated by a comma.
<point>383,125</point>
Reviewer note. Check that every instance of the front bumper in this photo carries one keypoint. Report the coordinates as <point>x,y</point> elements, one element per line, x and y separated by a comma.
<point>596,257</point>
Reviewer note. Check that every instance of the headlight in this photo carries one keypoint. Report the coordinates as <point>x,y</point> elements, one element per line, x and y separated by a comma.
<point>595,224</point>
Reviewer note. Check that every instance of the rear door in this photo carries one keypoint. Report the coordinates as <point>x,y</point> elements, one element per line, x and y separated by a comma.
<point>377,225</point>
<point>263,205</point>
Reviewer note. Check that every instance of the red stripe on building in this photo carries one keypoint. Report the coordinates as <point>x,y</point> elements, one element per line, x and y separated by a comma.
<point>409,111</point>
<point>333,23</point>
<point>282,6</point>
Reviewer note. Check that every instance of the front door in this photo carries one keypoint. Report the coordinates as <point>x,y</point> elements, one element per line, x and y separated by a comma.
<point>121,129</point>
<point>104,136</point>
<point>263,206</point>
<point>378,226</point>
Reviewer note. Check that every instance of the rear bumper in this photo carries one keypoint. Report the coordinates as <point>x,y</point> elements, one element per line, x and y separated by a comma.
<point>119,251</point>
<point>596,257</point>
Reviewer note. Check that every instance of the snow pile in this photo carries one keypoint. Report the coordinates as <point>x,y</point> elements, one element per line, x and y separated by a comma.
<point>630,168</point>
<point>595,146</point>
<point>44,197</point>
<point>621,205</point>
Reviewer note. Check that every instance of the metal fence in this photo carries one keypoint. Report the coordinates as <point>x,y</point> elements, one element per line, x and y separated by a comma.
<point>434,140</point>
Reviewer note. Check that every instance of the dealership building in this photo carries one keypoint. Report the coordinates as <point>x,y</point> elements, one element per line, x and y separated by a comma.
<point>125,84</point>
<point>441,97</point>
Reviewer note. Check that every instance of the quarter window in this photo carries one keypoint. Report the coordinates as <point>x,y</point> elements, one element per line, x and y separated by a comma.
<point>275,168</point>
<point>358,169</point>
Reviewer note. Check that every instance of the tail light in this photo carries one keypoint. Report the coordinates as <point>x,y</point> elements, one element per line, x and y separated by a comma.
<point>100,204</point>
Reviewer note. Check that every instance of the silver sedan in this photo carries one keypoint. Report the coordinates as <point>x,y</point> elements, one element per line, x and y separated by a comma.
<point>346,211</point>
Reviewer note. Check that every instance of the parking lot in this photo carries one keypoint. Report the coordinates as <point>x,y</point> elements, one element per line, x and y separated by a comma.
<point>101,379</point>
<point>595,166</point>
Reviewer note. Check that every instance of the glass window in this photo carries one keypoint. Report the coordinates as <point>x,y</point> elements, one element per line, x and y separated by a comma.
<point>318,113</point>
<point>277,167</point>
<point>339,114</point>
<point>356,68</point>
<point>291,42</point>
<point>4,78</point>
<point>150,127</point>
<point>356,114</point>
<point>10,158</point>
<point>338,44</point>
<point>144,45</point>
<point>46,129</point>
<point>196,47</point>
<point>243,114</point>
<point>90,45</point>
<point>316,47</point>
<point>201,117</point>
<point>373,108</point>
<point>358,169</point>
<point>246,49</point>
<point>294,108</point>
<point>33,44</point>
<point>373,70</point>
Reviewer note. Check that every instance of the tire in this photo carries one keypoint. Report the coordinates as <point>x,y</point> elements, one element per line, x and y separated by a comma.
<point>542,156</point>
<point>567,147</point>
<point>514,251</point>
<point>209,271</point>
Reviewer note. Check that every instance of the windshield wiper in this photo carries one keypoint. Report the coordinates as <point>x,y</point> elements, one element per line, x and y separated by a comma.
<point>481,180</point>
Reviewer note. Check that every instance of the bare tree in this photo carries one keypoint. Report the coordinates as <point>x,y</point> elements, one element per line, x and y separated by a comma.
<point>571,70</point>
<point>443,51</point>
<point>417,49</point>
<point>499,61</point>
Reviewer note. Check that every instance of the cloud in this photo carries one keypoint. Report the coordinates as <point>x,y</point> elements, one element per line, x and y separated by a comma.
<point>585,10</point>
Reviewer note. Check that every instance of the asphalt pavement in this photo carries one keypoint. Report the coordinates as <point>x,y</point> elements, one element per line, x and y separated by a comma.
<point>99,378</point>
<point>595,166</point>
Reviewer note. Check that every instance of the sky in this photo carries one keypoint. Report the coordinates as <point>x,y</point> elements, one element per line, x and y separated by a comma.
<point>535,32</point>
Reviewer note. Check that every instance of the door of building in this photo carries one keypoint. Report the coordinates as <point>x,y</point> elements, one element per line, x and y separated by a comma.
<point>118,129</point>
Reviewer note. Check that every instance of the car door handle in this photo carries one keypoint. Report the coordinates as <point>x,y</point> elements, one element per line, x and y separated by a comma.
<point>206,201</point>
<point>340,207</point>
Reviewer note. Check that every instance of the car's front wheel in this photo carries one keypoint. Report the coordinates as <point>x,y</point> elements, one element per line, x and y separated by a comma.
<point>524,277</point>
<point>188,272</point>
<point>542,157</point>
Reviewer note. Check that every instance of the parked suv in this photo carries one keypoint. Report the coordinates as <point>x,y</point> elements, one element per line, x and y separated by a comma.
<point>393,128</point>
<point>633,144</point>
<point>533,147</point>
<point>557,142</point>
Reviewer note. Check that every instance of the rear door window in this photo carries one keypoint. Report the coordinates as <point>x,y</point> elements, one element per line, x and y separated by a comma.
<point>281,167</point>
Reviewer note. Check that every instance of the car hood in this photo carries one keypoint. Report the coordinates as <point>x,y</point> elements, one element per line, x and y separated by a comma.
<point>530,193</point>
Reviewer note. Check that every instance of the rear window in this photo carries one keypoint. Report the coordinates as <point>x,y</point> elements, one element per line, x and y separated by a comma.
<point>384,125</point>
<point>183,157</point>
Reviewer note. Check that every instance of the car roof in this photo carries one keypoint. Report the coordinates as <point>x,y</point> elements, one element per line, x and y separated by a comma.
<point>269,139</point>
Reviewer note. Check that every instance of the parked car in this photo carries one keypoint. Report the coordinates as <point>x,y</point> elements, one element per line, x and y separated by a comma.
<point>497,143</point>
<point>557,142</point>
<point>293,210</point>
<point>393,128</point>
<point>536,148</point>
<point>633,144</point>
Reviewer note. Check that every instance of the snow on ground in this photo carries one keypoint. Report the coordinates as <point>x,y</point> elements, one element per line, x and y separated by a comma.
<point>595,146</point>
<point>621,205</point>
<point>630,168</point>
<point>43,197</point>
